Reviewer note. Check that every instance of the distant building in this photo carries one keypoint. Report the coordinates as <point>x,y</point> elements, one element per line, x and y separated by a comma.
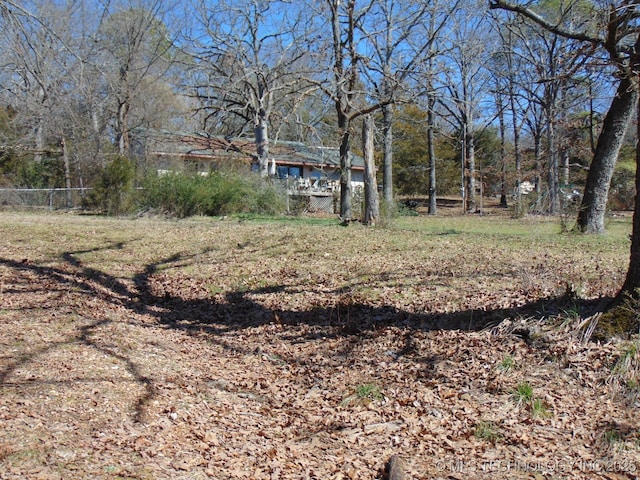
<point>201,153</point>
<point>308,171</point>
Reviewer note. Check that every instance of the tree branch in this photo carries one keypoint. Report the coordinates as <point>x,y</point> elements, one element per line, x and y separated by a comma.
<point>556,29</point>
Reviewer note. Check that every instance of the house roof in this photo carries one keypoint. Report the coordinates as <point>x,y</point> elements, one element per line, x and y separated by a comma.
<point>217,148</point>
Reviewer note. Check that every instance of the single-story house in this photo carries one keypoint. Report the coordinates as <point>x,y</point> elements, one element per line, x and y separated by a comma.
<point>304,167</point>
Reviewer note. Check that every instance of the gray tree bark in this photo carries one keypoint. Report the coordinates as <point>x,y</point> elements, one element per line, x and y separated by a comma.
<point>387,128</point>
<point>470,153</point>
<point>632,280</point>
<point>591,216</point>
<point>371,201</point>
<point>346,210</point>
<point>432,155</point>
<point>67,169</point>
<point>262,144</point>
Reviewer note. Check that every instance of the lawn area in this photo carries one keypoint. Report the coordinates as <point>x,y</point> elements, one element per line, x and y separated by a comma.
<point>290,348</point>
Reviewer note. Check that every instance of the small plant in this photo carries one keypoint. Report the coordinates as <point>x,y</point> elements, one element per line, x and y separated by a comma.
<point>485,430</point>
<point>625,363</point>
<point>365,393</point>
<point>523,393</point>
<point>369,391</point>
<point>612,436</point>
<point>625,373</point>
<point>507,364</point>
<point>572,313</point>
<point>539,409</point>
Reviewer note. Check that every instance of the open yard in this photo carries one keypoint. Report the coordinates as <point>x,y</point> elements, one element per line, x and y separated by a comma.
<point>299,349</point>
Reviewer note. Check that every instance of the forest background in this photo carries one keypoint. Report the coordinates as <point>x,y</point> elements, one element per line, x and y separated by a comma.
<point>467,100</point>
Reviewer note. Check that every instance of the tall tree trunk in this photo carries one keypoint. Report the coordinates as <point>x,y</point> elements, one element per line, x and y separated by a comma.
<point>346,213</point>
<point>96,131</point>
<point>552,167</point>
<point>564,155</point>
<point>387,177</point>
<point>371,202</point>
<point>262,145</point>
<point>67,170</point>
<point>123,128</point>
<point>261,132</point>
<point>503,155</point>
<point>537,155</point>
<point>594,201</point>
<point>471,172</point>
<point>39,141</point>
<point>346,80</point>
<point>516,149</point>
<point>632,281</point>
<point>432,154</point>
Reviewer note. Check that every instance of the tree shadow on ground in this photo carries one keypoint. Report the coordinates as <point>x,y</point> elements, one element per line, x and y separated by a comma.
<point>238,310</point>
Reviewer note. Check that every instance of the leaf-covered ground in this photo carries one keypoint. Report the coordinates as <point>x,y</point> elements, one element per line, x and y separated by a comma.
<point>229,349</point>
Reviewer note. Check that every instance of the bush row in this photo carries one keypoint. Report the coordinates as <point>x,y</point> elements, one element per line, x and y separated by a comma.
<point>182,195</point>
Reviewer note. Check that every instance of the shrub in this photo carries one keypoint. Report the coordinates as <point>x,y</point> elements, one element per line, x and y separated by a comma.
<point>220,193</point>
<point>114,190</point>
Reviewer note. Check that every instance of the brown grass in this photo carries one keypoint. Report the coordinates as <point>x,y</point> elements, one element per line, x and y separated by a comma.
<point>210,348</point>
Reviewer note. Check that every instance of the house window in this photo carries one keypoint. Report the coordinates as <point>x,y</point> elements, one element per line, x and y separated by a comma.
<point>289,172</point>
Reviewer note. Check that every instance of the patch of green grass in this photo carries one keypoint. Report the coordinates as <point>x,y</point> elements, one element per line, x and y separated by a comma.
<point>539,409</point>
<point>507,364</point>
<point>364,393</point>
<point>612,436</point>
<point>627,359</point>
<point>369,391</point>
<point>489,431</point>
<point>572,313</point>
<point>523,393</point>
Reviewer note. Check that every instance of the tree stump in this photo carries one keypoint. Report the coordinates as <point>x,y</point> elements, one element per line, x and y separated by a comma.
<point>395,469</point>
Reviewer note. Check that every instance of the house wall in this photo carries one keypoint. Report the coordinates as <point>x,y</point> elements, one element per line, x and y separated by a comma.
<point>357,178</point>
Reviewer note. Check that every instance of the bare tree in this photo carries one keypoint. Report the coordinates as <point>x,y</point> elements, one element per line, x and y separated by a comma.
<point>402,36</point>
<point>251,63</point>
<point>507,65</point>
<point>612,31</point>
<point>466,85</point>
<point>344,87</point>
<point>37,55</point>
<point>620,38</point>
<point>351,67</point>
<point>134,54</point>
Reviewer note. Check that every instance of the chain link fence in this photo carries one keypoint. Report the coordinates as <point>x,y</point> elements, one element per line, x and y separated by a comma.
<point>43,198</point>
